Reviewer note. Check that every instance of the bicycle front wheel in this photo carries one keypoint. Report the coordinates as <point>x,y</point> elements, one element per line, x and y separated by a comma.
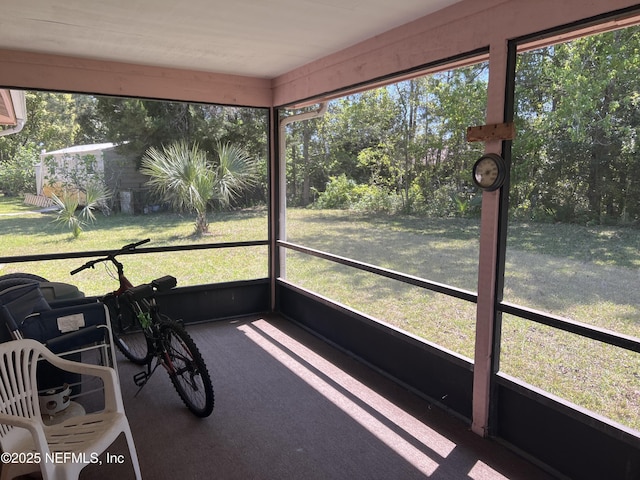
<point>187,369</point>
<point>128,334</point>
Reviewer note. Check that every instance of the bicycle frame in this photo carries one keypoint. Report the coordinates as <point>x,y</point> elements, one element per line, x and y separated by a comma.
<point>124,283</point>
<point>152,332</point>
<point>163,338</point>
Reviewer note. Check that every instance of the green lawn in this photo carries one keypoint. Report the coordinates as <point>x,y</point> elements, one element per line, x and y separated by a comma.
<point>37,233</point>
<point>13,206</point>
<point>585,273</point>
<point>589,274</point>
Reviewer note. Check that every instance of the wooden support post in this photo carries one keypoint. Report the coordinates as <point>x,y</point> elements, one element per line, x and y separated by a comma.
<point>488,254</point>
<point>488,133</point>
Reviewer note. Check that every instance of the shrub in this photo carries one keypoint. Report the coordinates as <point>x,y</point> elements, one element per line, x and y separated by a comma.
<point>340,192</point>
<point>17,175</point>
<point>376,199</point>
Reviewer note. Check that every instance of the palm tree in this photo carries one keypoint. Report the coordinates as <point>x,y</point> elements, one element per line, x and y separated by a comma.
<point>184,178</point>
<point>235,171</point>
<point>95,196</point>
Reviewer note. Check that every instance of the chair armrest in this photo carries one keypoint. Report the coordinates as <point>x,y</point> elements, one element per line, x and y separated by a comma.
<point>33,425</point>
<point>112,395</point>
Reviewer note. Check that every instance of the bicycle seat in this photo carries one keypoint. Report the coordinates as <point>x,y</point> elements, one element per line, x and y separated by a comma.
<point>164,283</point>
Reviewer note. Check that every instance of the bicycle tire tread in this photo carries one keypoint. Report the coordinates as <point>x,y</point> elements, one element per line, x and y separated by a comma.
<point>196,356</point>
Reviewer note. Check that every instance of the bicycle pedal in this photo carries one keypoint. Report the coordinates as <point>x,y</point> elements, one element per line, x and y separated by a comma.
<point>140,378</point>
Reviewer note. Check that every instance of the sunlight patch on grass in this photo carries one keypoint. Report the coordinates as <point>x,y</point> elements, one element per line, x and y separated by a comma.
<point>14,205</point>
<point>438,318</point>
<point>591,374</point>
<point>421,247</point>
<point>603,296</point>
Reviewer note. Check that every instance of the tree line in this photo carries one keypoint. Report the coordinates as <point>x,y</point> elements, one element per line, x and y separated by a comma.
<point>402,148</point>
<point>136,126</point>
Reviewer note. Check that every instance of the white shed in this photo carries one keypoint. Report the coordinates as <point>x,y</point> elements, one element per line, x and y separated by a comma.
<point>57,163</point>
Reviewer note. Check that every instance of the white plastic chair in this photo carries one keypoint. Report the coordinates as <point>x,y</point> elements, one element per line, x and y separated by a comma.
<point>23,431</point>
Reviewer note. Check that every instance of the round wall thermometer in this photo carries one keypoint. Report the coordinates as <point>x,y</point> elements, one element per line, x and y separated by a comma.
<point>489,172</point>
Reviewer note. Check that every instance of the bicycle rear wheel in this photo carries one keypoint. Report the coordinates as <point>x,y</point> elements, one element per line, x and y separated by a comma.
<point>128,334</point>
<point>187,369</point>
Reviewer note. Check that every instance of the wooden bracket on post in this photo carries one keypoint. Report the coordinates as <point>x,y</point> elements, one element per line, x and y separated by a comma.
<point>497,131</point>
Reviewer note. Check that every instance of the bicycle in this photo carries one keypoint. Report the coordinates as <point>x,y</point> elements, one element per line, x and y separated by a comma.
<point>143,334</point>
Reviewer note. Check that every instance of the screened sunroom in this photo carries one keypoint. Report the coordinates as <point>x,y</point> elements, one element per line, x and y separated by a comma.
<point>369,308</point>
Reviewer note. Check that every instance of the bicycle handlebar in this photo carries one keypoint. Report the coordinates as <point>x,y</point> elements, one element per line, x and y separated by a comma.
<point>132,246</point>
<point>127,248</point>
<point>86,265</point>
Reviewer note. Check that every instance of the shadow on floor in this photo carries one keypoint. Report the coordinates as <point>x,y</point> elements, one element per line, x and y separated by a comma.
<point>289,406</point>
